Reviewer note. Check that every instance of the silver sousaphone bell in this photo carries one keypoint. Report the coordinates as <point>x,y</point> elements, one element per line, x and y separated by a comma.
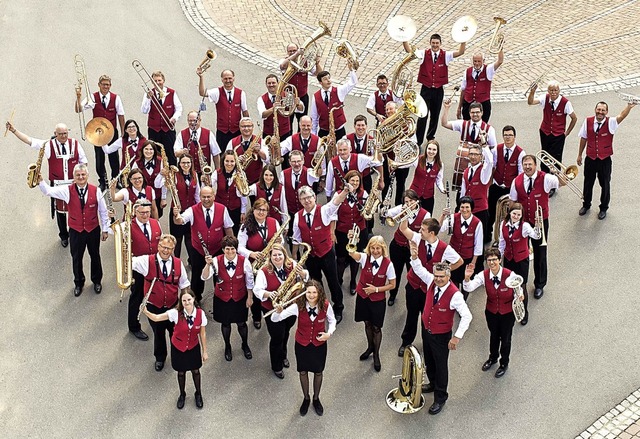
<point>402,28</point>
<point>464,29</point>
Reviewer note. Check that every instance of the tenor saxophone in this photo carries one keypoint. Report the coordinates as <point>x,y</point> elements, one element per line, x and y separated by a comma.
<point>262,260</point>
<point>34,169</point>
<point>204,166</point>
<point>240,177</point>
<point>374,200</point>
<point>249,156</point>
<point>273,141</point>
<point>326,148</point>
<point>292,284</point>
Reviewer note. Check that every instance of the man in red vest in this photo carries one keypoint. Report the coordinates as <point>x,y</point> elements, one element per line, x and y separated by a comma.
<point>442,301</point>
<point>347,161</point>
<point>195,137</point>
<point>244,142</point>
<point>555,109</point>
<point>265,110</point>
<point>475,184</point>
<point>304,141</point>
<point>231,105</point>
<point>377,101</point>
<point>596,134</point>
<point>328,98</point>
<point>476,86</point>
<point>86,204</point>
<point>433,75</point>
<point>470,130</point>
<point>108,105</point>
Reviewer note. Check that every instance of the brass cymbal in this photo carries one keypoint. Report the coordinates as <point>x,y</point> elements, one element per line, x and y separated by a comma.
<point>99,131</point>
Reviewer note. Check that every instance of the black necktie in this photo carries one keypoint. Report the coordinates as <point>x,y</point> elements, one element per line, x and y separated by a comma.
<point>208,219</point>
<point>273,99</point>
<point>308,219</point>
<point>358,145</point>
<point>63,149</point>
<point>104,103</point>
<point>312,312</point>
<point>496,281</point>
<point>473,132</point>
<point>436,295</point>
<point>470,174</point>
<point>134,144</point>
<point>345,166</point>
<point>553,106</point>
<point>149,165</point>
<point>145,231</point>
<point>297,180</point>
<point>245,145</point>
<point>190,320</point>
<point>159,99</point>
<point>81,195</point>
<point>268,193</point>
<point>435,58</point>
<point>375,264</point>
<point>465,225</point>
<point>141,194</point>
<point>429,253</point>
<point>194,137</point>
<point>530,188</point>
<point>599,126</point>
<point>187,179</point>
<point>506,155</point>
<point>165,273</point>
<point>231,265</point>
<point>263,231</point>
<point>383,96</point>
<point>305,145</point>
<point>326,98</point>
<point>511,230</point>
<point>282,275</point>
<point>352,198</point>
<point>229,96</point>
<point>477,72</point>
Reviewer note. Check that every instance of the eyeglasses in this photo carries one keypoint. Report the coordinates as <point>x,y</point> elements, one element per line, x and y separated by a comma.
<point>474,154</point>
<point>493,260</point>
<point>164,247</point>
<point>148,212</point>
<point>131,127</point>
<point>308,197</point>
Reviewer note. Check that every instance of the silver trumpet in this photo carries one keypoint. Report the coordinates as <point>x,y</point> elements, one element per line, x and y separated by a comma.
<point>635,100</point>
<point>514,281</point>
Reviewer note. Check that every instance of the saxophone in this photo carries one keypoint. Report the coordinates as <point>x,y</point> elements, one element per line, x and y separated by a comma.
<point>326,148</point>
<point>240,177</point>
<point>205,168</point>
<point>170,179</point>
<point>124,173</point>
<point>273,141</point>
<point>374,200</point>
<point>292,284</point>
<point>330,139</point>
<point>248,156</point>
<point>122,238</point>
<point>262,260</point>
<point>34,169</point>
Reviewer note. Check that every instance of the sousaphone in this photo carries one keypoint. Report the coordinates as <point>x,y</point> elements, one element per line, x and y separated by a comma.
<point>402,28</point>
<point>464,29</point>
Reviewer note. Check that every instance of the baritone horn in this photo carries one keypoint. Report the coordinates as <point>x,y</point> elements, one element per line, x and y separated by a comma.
<point>566,174</point>
<point>497,41</point>
<point>407,397</point>
<point>464,29</point>
<point>344,49</point>
<point>206,62</point>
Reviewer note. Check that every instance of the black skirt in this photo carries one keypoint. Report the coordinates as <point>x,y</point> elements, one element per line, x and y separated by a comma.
<point>230,312</point>
<point>369,311</point>
<point>311,358</point>
<point>185,361</point>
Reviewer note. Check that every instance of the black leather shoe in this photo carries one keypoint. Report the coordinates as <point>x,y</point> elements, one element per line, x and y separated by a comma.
<point>159,365</point>
<point>487,365</point>
<point>501,370</point>
<point>583,211</point>
<point>317,405</point>
<point>552,192</point>
<point>391,301</point>
<point>602,214</point>
<point>428,388</point>
<point>525,320</point>
<point>538,293</point>
<point>304,408</point>
<point>180,403</point>
<point>64,243</point>
<point>199,402</point>
<point>286,363</point>
<point>227,353</point>
<point>366,354</point>
<point>376,363</point>
<point>77,291</point>
<point>338,317</point>
<point>140,334</point>
<point>352,291</point>
<point>436,408</point>
<point>279,374</point>
<point>257,324</point>
<point>247,352</point>
<point>97,288</point>
<point>401,351</point>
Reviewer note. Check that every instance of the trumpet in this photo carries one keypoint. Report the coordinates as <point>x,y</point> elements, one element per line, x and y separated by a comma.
<point>566,174</point>
<point>149,86</point>
<point>635,100</point>
<point>206,62</point>
<point>81,76</point>
<point>344,49</point>
<point>515,281</point>
<point>355,238</point>
<point>536,83</point>
<point>497,41</point>
<point>407,211</point>
<point>538,227</point>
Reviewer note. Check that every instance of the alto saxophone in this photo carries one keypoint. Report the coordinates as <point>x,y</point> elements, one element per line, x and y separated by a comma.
<point>374,200</point>
<point>170,179</point>
<point>326,148</point>
<point>124,173</point>
<point>240,177</point>
<point>122,238</point>
<point>261,261</point>
<point>292,284</point>
<point>273,141</point>
<point>34,169</point>
<point>204,166</point>
<point>249,156</point>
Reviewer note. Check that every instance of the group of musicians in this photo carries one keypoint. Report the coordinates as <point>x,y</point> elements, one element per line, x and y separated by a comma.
<point>245,223</point>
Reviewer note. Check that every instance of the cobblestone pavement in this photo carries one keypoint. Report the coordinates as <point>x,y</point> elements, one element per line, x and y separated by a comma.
<point>540,36</point>
<point>622,421</point>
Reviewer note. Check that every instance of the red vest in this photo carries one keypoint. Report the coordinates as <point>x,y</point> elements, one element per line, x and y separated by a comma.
<point>213,235</point>
<point>323,111</point>
<point>498,300</point>
<point>600,144</point>
<point>231,288</point>
<point>528,201</point>
<point>146,190</point>
<point>291,194</point>
<point>433,75</point>
<point>336,165</point>
<point>517,246</point>
<point>477,90</point>
<point>284,125</point>
<point>151,178</point>
<point>463,243</point>
<point>108,113</point>
<point>377,280</point>
<point>505,172</point>
<point>127,146</point>
<point>165,291</point>
<point>350,215</point>
<point>83,220</point>
<point>319,236</point>
<point>351,137</point>
<point>465,135</point>
<point>380,104</point>
<point>203,142</point>
<point>273,282</point>
<point>477,190</point>
<point>400,239</point>
<point>155,121</point>
<point>255,243</point>
<point>229,114</point>
<point>308,331</point>
<point>56,162</point>
<point>438,252</point>
<point>226,196</point>
<point>274,201</point>
<point>186,194</point>
<point>438,319</point>
<point>296,145</point>
<point>554,122</point>
<point>301,81</point>
<point>424,180</point>
<point>140,245</point>
<point>185,338</point>
<point>255,168</point>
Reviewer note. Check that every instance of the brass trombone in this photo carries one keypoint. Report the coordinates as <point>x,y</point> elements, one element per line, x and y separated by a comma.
<point>81,76</point>
<point>566,174</point>
<point>149,86</point>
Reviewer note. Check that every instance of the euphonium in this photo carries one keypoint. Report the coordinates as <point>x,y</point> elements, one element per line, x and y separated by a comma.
<point>170,179</point>
<point>206,62</point>
<point>515,281</point>
<point>566,174</point>
<point>407,397</point>
<point>406,151</point>
<point>402,78</point>
<point>374,199</point>
<point>291,286</point>
<point>122,238</point>
<point>34,169</point>
<point>273,141</point>
<point>240,177</point>
<point>262,260</point>
<point>352,245</point>
<point>401,124</point>
<point>344,49</point>
<point>497,40</point>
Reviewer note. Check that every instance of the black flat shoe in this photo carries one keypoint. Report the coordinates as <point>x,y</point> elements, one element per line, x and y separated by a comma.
<point>97,288</point>
<point>538,293</point>
<point>247,352</point>
<point>428,388</point>
<point>257,324</point>
<point>140,335</point>
<point>304,408</point>
<point>376,364</point>
<point>583,211</point>
<point>64,243</point>
<point>487,365</point>
<point>279,374</point>
<point>436,408</point>
<point>180,403</point>
<point>159,365</point>
<point>77,291</point>
<point>366,354</point>
<point>401,351</point>
<point>352,291</point>
<point>227,353</point>
<point>391,301</point>
<point>525,320</point>
<point>338,317</point>
<point>602,214</point>
<point>317,405</point>
<point>199,402</point>
<point>501,371</point>
<point>286,363</point>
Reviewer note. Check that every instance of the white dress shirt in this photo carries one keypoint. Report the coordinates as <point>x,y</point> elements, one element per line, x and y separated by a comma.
<point>187,215</point>
<point>485,168</point>
<point>214,94</point>
<point>141,265</point>
<point>213,145</point>
<point>248,270</point>
<point>243,237</point>
<point>450,255</point>
<point>364,162</point>
<point>343,90</point>
<point>293,310</point>
<point>328,212</point>
<point>173,316</point>
<point>550,182</point>
<point>177,105</point>
<point>527,232</point>
<point>456,125</point>
<point>90,105</point>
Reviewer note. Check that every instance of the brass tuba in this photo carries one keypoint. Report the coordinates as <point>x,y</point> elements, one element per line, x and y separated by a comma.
<point>122,238</point>
<point>33,170</point>
<point>344,49</point>
<point>407,397</point>
<point>401,124</point>
<point>292,284</point>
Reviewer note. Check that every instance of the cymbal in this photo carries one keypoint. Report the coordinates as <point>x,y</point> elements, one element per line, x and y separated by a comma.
<point>464,29</point>
<point>99,131</point>
<point>402,28</point>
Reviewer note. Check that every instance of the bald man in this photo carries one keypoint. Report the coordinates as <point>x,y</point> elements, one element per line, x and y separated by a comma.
<point>476,86</point>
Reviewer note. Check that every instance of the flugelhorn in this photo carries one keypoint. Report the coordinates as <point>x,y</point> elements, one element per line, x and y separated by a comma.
<point>355,238</point>
<point>344,49</point>
<point>497,40</point>
<point>81,76</point>
<point>149,86</point>
<point>566,174</point>
<point>635,100</point>
<point>464,29</point>
<point>407,211</point>
<point>206,62</point>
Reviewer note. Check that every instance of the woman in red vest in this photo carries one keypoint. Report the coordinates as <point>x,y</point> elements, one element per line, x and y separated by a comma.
<point>316,324</point>
<point>376,278</point>
<point>131,142</point>
<point>149,162</point>
<point>428,175</point>
<point>223,182</point>
<point>137,188</point>
<point>186,351</point>
<point>270,188</point>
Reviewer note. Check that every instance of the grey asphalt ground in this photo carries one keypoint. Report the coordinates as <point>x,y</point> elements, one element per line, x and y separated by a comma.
<point>71,369</point>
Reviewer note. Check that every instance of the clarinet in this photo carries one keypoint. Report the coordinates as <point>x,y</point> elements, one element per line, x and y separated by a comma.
<point>450,225</point>
<point>107,197</point>
<point>206,253</point>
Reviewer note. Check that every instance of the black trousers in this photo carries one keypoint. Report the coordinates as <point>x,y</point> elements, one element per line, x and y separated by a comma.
<point>61,220</point>
<point>457,275</point>
<point>427,204</point>
<point>197,265</point>
<point>305,100</point>
<point>602,170</point>
<point>486,110</point>
<point>521,268</point>
<point>495,192</point>
<point>487,230</point>
<point>554,145</point>
<point>159,333</point>
<point>401,257</point>
<point>540,259</point>
<point>278,338</point>
<point>327,265</point>
<point>224,138</point>
<point>180,232</point>
<point>114,162</point>
<point>235,217</point>
<point>78,242</point>
<point>167,138</point>
<point>433,98</point>
<point>500,330</point>
<point>436,358</point>
<point>340,133</point>
<point>135,299</point>
<point>415,304</point>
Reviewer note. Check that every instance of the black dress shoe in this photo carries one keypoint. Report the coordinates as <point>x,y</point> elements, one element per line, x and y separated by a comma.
<point>279,374</point>
<point>140,334</point>
<point>199,402</point>
<point>538,293</point>
<point>97,288</point>
<point>317,405</point>
<point>366,354</point>
<point>391,301</point>
<point>436,408</point>
<point>247,352</point>
<point>77,291</point>
<point>602,214</point>
<point>286,363</point>
<point>227,353</point>
<point>352,291</point>
<point>428,388</point>
<point>64,242</point>
<point>401,351</point>
<point>338,317</point>
<point>501,370</point>
<point>583,211</point>
<point>304,408</point>
<point>159,366</point>
<point>487,365</point>
<point>257,324</point>
<point>552,192</point>
<point>525,320</point>
<point>376,363</point>
<point>180,403</point>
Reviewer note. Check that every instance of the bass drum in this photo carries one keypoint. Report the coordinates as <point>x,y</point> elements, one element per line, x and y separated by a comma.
<point>461,163</point>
